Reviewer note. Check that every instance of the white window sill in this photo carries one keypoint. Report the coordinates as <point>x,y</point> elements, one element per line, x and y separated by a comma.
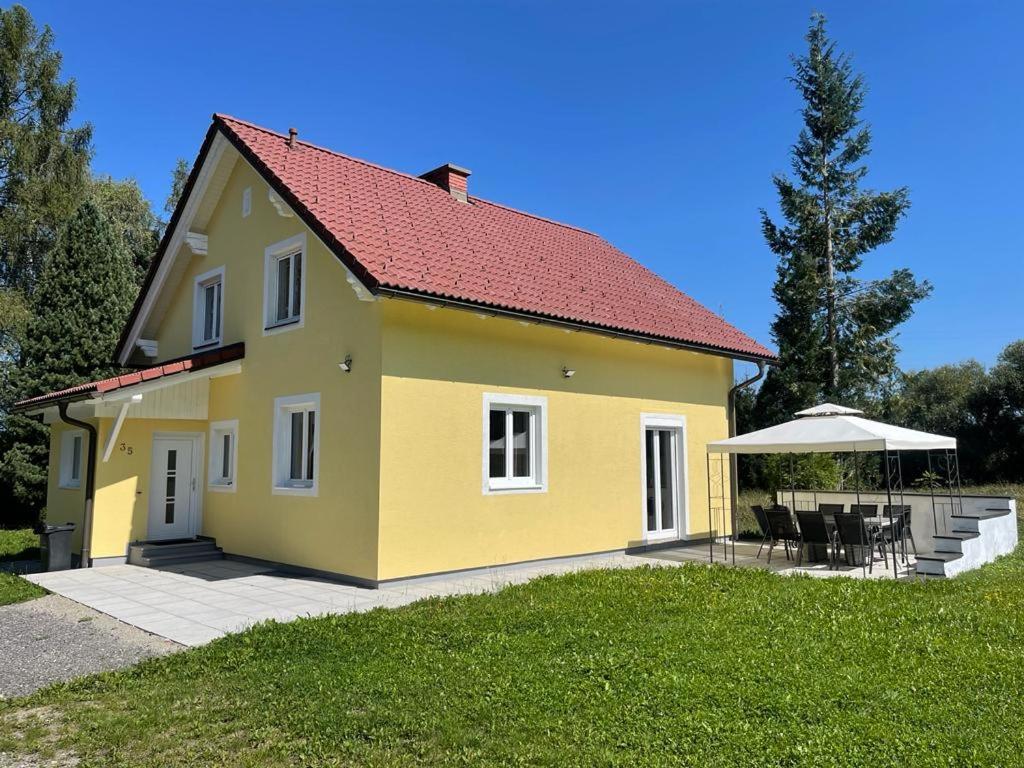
<point>221,487</point>
<point>283,325</point>
<point>294,490</point>
<point>661,536</point>
<point>507,489</point>
<point>212,344</point>
<point>69,486</point>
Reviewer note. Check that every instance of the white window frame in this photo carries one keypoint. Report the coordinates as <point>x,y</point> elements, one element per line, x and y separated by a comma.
<point>67,477</point>
<point>677,423</point>
<point>271,255</point>
<point>246,202</point>
<point>537,406</point>
<point>214,479</point>
<point>284,407</point>
<point>202,282</point>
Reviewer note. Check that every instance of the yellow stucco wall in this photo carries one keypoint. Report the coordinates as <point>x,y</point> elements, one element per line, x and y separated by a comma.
<point>65,505</point>
<point>336,530</point>
<point>437,366</point>
<point>121,506</point>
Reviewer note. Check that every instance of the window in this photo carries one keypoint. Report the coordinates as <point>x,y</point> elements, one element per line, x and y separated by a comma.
<point>208,309</point>
<point>223,455</point>
<point>72,443</point>
<point>296,444</point>
<point>246,201</point>
<point>515,443</point>
<point>284,288</point>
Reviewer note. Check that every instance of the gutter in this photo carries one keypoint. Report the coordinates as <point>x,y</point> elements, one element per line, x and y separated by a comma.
<point>426,298</point>
<point>90,480</point>
<point>734,480</point>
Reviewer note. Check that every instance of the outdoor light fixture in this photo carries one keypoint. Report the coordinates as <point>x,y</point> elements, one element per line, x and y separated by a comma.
<point>346,364</point>
<point>568,372</point>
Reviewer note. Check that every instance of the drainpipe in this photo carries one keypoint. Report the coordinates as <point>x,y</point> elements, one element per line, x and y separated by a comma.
<point>90,479</point>
<point>734,481</point>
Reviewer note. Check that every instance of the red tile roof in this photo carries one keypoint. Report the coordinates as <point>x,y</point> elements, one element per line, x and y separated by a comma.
<point>399,232</point>
<point>194,362</point>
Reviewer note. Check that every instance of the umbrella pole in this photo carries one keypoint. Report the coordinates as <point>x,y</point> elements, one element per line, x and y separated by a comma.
<point>860,514</point>
<point>711,527</point>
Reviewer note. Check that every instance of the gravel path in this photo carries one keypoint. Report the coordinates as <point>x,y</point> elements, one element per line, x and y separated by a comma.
<point>52,639</point>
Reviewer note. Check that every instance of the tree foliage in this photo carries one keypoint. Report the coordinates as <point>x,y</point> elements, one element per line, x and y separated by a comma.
<point>82,300</point>
<point>131,217</point>
<point>835,332</point>
<point>43,160</point>
<point>179,176</point>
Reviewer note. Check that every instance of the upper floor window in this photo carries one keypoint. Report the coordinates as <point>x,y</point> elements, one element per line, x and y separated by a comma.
<point>515,443</point>
<point>71,444</point>
<point>284,288</point>
<point>208,308</point>
<point>296,444</point>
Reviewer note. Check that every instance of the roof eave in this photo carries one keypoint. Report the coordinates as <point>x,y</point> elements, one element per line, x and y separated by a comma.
<point>429,298</point>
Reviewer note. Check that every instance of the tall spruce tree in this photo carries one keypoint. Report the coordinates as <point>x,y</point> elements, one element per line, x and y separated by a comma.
<point>834,331</point>
<point>82,300</point>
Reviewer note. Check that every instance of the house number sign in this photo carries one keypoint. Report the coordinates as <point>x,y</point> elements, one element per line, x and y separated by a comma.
<point>125,448</point>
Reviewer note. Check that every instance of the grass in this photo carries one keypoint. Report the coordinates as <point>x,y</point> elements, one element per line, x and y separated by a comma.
<point>690,666</point>
<point>17,544</point>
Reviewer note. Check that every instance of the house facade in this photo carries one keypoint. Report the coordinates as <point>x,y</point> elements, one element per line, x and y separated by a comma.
<point>349,370</point>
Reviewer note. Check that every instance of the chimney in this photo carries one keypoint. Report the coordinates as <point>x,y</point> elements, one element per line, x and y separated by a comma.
<point>292,135</point>
<point>450,178</point>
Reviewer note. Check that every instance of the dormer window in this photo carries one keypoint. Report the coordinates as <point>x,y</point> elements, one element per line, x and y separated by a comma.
<point>208,309</point>
<point>284,289</point>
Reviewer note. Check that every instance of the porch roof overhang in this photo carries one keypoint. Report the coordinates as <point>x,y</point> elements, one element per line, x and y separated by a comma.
<point>117,389</point>
<point>836,431</point>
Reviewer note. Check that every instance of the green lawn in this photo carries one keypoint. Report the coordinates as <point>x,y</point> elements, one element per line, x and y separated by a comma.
<point>18,544</point>
<point>691,666</point>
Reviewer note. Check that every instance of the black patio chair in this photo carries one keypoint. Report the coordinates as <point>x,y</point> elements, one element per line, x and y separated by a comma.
<point>814,530</point>
<point>780,523</point>
<point>901,530</point>
<point>859,540</point>
<point>762,522</point>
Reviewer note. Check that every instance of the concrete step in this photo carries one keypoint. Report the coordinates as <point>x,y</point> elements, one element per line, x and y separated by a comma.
<point>953,541</point>
<point>935,564</point>
<point>151,554</point>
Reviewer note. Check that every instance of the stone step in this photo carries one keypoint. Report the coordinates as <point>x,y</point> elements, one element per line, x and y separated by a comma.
<point>934,564</point>
<point>953,541</point>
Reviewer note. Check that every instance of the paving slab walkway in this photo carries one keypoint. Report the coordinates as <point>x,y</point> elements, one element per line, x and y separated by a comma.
<point>196,603</point>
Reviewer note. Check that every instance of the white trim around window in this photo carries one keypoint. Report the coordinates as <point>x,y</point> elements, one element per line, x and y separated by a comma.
<point>296,453</point>
<point>515,443</point>
<point>285,265</point>
<point>208,309</point>
<point>222,473</point>
<point>72,458</point>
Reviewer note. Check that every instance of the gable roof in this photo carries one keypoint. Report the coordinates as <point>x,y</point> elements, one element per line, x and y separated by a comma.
<point>403,235</point>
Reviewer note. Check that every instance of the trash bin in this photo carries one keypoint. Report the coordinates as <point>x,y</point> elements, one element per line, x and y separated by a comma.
<point>55,546</point>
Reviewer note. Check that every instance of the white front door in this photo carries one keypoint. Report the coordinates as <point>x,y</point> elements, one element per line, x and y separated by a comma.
<point>173,495</point>
<point>661,480</point>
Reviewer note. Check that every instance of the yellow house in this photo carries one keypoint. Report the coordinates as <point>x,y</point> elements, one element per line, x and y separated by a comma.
<point>347,370</point>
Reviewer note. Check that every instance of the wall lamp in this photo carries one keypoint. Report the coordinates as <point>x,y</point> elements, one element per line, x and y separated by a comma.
<point>346,364</point>
<point>568,372</point>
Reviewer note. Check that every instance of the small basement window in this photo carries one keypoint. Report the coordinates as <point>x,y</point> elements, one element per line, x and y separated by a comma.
<point>208,309</point>
<point>284,288</point>
<point>296,444</point>
<point>223,455</point>
<point>72,443</point>
<point>515,443</point>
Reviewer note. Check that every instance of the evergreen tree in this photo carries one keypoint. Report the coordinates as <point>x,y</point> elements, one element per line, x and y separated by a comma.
<point>835,332</point>
<point>84,294</point>
<point>179,176</point>
<point>131,216</point>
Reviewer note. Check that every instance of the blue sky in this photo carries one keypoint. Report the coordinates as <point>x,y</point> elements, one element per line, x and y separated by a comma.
<point>656,125</point>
